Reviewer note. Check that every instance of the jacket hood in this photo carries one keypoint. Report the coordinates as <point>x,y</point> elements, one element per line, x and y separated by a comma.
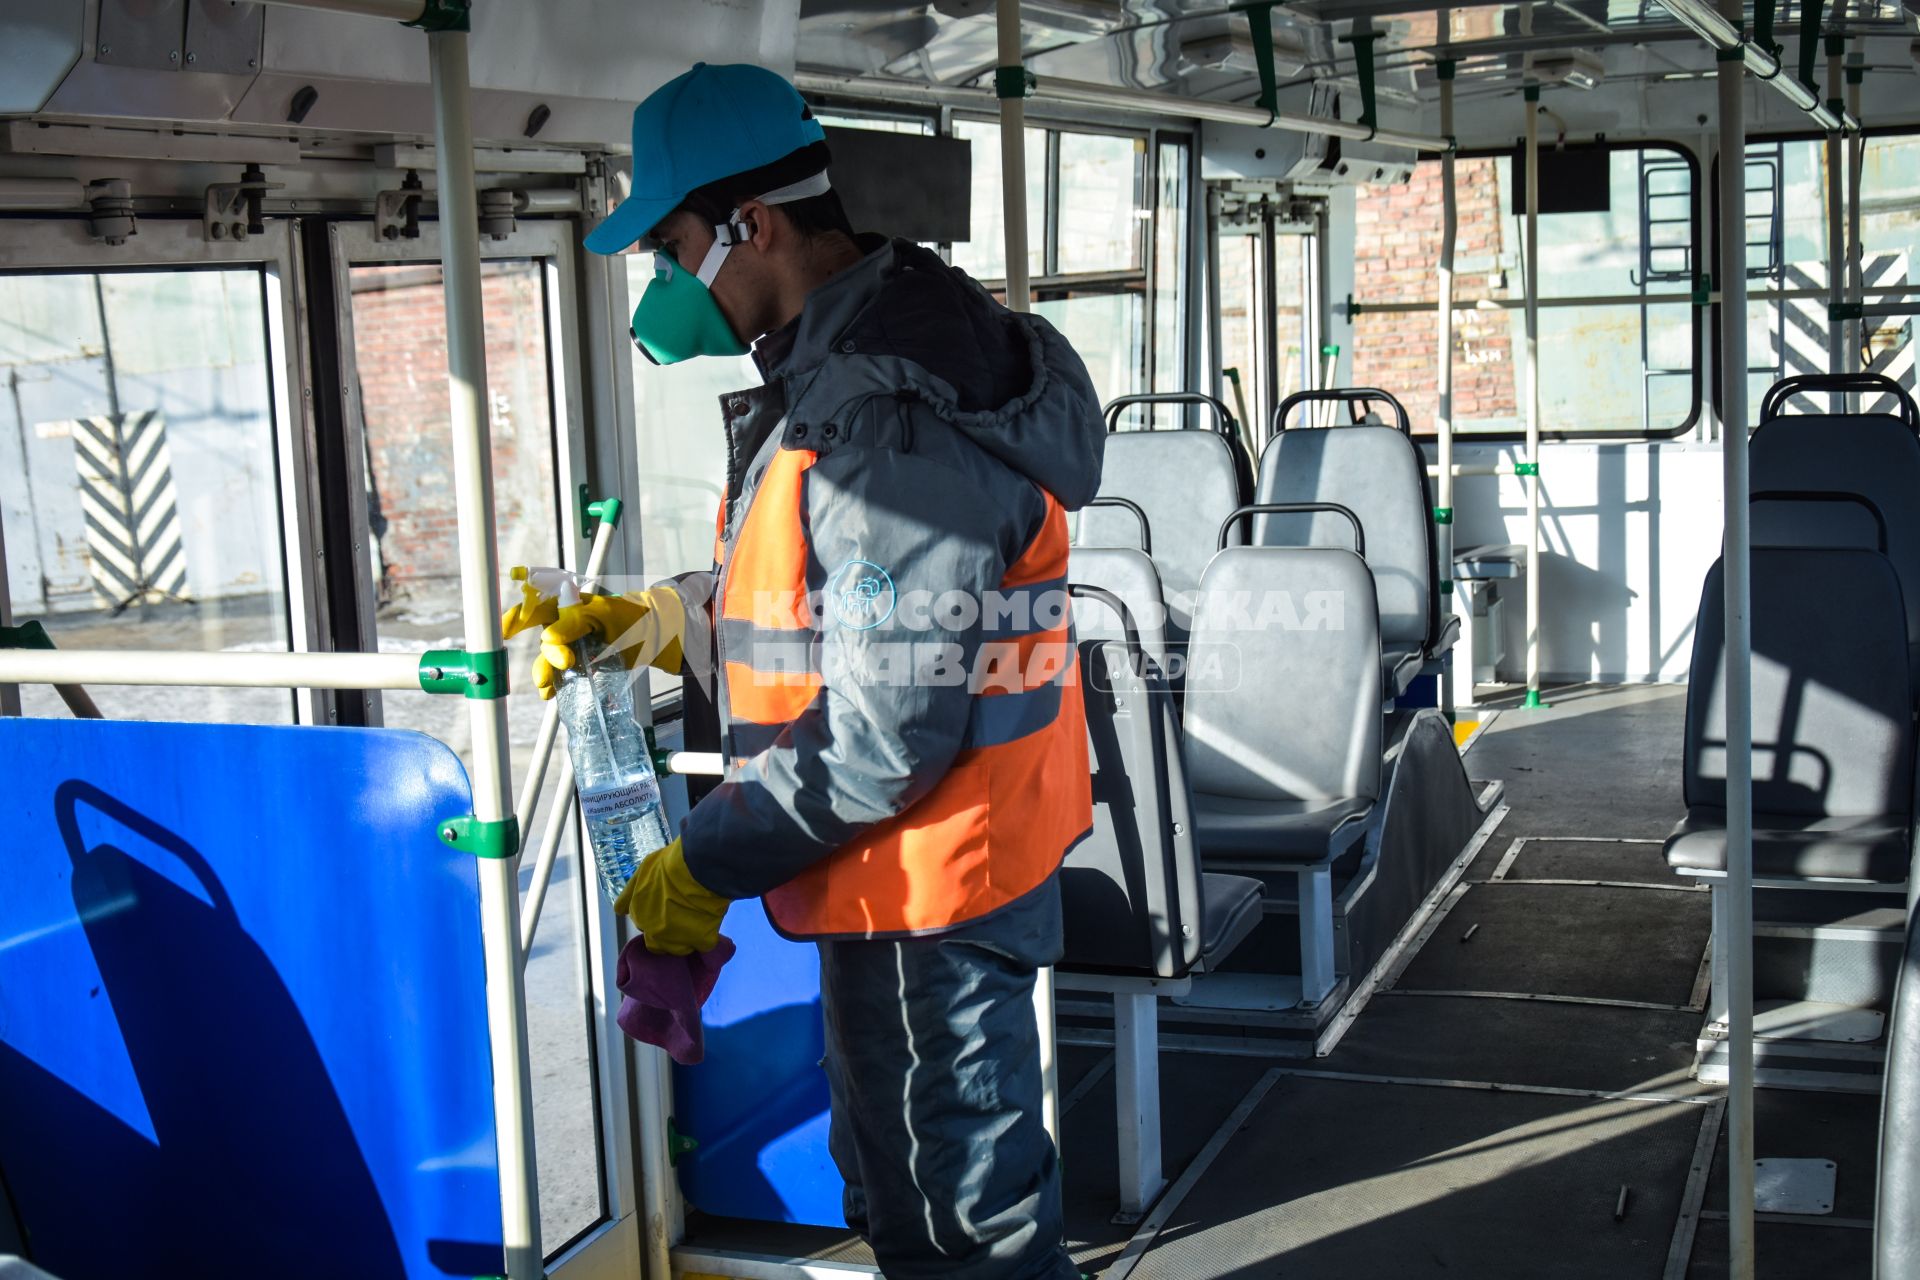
<point>902,322</point>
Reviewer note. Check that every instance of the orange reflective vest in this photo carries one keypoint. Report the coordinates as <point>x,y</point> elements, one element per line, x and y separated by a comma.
<point>1015,797</point>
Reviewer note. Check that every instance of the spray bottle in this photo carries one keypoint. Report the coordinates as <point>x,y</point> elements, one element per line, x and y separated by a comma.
<point>612,768</point>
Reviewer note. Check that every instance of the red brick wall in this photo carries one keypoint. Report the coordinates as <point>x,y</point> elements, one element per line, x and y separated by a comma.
<point>1397,246</point>
<point>400,343</point>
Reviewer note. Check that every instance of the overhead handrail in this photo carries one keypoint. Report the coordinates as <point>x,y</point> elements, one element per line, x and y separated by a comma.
<point>1146,530</point>
<point>1223,419</point>
<point>1296,508</point>
<point>1774,403</point>
<point>1827,495</point>
<point>1352,396</point>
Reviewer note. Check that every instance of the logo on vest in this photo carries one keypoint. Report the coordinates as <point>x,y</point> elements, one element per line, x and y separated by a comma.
<point>861,595</point>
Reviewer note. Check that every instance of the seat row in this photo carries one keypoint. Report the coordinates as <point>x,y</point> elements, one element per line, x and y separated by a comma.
<point>1314,485</point>
<point>1835,635</point>
<point>1270,762</point>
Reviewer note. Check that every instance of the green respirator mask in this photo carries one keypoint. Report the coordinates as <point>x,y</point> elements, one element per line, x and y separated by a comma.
<point>678,318</point>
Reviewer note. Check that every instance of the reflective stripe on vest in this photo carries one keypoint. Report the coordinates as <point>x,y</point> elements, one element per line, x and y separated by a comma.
<point>1016,796</point>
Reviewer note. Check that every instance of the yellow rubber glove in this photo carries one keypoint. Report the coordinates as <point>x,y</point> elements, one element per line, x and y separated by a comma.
<point>675,914</point>
<point>645,627</point>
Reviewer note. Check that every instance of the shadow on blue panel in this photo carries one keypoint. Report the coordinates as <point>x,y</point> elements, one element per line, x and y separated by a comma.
<point>751,1110</point>
<point>232,1083</point>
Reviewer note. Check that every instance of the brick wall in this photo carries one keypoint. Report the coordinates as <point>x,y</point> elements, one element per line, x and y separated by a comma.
<point>1397,246</point>
<point>400,343</point>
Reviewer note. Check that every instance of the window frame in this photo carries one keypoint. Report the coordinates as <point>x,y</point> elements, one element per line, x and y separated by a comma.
<point>1699,331</point>
<point>63,245</point>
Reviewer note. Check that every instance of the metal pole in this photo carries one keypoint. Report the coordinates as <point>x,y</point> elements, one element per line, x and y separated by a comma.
<point>1013,194</point>
<point>1443,369</point>
<point>1532,97</point>
<point>1013,157</point>
<point>1109,98</point>
<point>1733,443</point>
<point>1856,350</point>
<point>562,810</point>
<point>480,601</point>
<point>211,670</point>
<point>1836,235</point>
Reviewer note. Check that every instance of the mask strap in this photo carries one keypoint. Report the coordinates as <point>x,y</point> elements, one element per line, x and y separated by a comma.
<point>733,230</point>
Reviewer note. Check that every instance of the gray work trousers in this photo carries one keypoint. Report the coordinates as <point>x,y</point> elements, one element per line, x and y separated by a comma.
<point>933,1057</point>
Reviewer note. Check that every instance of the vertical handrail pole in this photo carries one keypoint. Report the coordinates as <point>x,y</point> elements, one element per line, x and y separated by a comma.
<point>1443,370</point>
<point>1531,95</point>
<point>480,606</point>
<point>1013,194</point>
<point>1836,232</point>
<point>1856,350</point>
<point>1733,443</point>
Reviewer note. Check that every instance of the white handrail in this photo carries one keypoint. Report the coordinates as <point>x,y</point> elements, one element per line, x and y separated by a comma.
<point>214,670</point>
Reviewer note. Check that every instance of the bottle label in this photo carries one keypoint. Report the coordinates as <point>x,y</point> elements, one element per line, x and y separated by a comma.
<point>641,793</point>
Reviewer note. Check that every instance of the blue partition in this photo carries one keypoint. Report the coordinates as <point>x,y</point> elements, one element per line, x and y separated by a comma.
<point>243,1027</point>
<point>758,1104</point>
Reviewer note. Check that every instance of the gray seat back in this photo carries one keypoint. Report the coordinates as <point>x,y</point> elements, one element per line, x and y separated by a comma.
<point>1129,574</point>
<point>1283,685</point>
<point>1832,718</point>
<point>1131,892</point>
<point>1186,483</point>
<point>1876,456</point>
<point>1377,472</point>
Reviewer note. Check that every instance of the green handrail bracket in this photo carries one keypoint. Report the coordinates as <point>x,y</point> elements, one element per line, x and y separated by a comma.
<point>1531,92</point>
<point>1260,28</point>
<point>1702,290</point>
<point>444,15</point>
<point>1846,311</point>
<point>1443,515</point>
<point>1810,13</point>
<point>1532,701</point>
<point>678,1143</point>
<point>657,753</point>
<point>1362,42</point>
<point>1013,82</point>
<point>590,510</point>
<point>1526,468</point>
<point>1446,586</point>
<point>469,834</point>
<point>471,675</point>
<point>28,635</point>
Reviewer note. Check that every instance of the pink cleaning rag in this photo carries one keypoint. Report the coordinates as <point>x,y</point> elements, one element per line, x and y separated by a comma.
<point>662,996</point>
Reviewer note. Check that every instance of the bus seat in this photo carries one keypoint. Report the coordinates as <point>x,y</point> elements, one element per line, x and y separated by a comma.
<point>1832,729</point>
<point>1129,574</point>
<point>1186,482</point>
<point>1284,747</point>
<point>1379,473</point>
<point>1141,917</point>
<point>1876,456</point>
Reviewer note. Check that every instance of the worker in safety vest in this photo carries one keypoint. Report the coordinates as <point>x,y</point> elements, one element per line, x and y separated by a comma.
<point>886,629</point>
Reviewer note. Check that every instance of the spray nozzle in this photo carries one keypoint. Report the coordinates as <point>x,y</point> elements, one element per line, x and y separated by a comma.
<point>562,584</point>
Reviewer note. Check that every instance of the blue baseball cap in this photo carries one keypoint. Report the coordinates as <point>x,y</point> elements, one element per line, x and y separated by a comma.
<point>713,122</point>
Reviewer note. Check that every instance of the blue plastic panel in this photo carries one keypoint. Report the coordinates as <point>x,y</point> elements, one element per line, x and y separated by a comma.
<point>243,1027</point>
<point>758,1104</point>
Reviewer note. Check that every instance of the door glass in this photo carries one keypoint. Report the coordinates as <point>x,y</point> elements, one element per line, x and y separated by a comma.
<point>399,336</point>
<point>139,481</point>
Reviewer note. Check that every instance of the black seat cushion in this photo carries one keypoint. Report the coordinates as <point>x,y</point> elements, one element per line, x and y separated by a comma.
<point>1287,831</point>
<point>1872,848</point>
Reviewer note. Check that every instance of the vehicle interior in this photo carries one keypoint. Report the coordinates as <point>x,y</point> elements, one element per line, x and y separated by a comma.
<point>1499,630</point>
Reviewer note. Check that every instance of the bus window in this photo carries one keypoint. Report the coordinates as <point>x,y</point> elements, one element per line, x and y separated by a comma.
<point>984,257</point>
<point>140,489</point>
<point>1617,355</point>
<point>1169,266</point>
<point>1788,256</point>
<point>399,353</point>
